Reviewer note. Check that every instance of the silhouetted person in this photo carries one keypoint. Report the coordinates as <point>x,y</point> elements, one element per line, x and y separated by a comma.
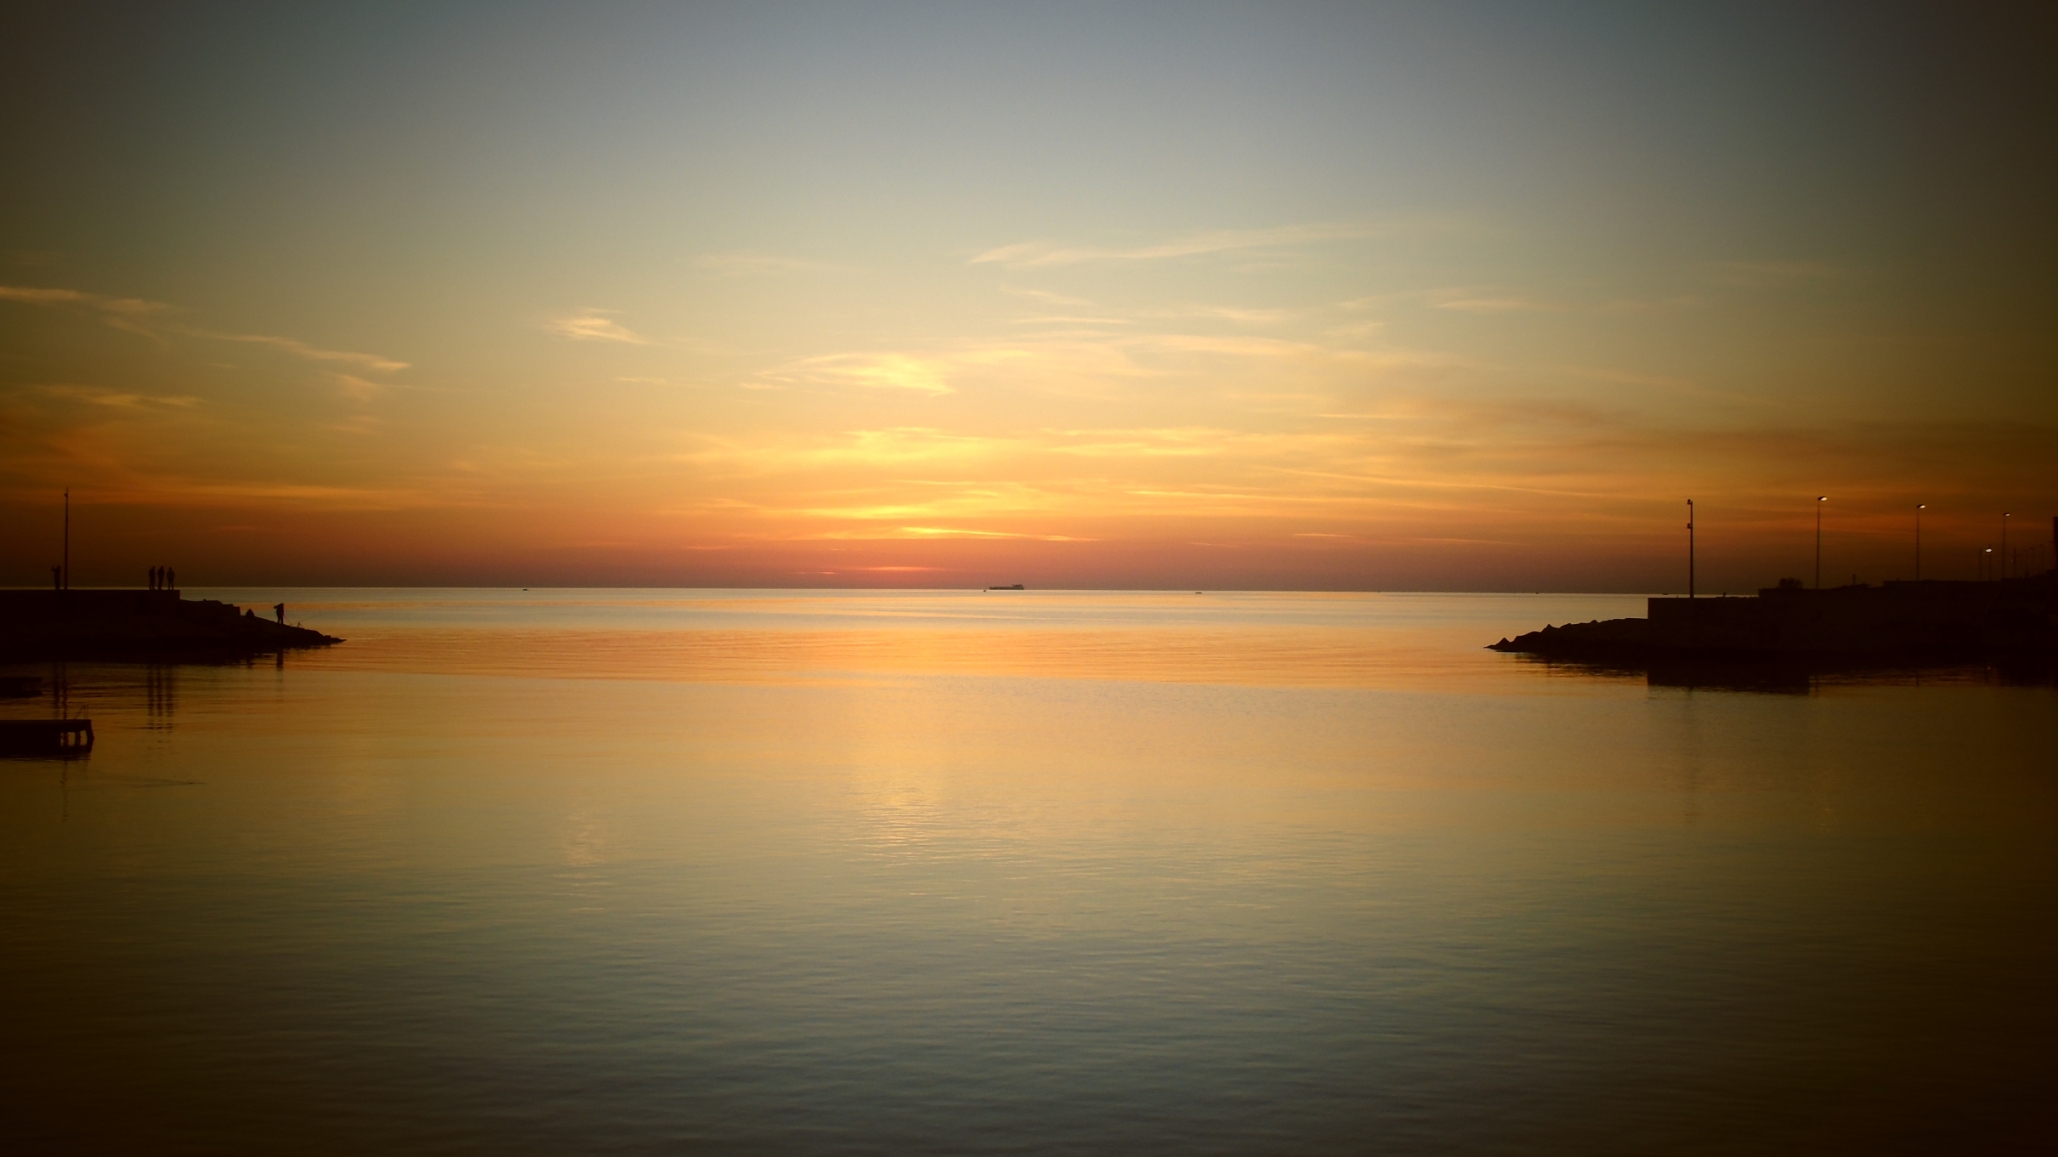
<point>171,579</point>
<point>280,610</point>
<point>156,573</point>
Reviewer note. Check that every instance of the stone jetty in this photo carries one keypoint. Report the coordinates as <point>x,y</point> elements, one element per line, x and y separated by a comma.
<point>138,624</point>
<point>1892,622</point>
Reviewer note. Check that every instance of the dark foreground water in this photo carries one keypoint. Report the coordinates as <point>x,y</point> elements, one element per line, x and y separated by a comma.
<point>657,872</point>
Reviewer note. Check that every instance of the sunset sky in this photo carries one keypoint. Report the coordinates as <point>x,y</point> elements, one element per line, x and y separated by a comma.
<point>1180,295</point>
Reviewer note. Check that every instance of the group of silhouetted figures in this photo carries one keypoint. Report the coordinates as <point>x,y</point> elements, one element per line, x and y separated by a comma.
<point>163,578</point>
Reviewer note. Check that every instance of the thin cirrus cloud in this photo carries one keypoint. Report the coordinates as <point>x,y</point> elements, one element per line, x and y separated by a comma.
<point>885,371</point>
<point>384,365</point>
<point>120,399</point>
<point>180,491</point>
<point>963,532</point>
<point>1758,274</point>
<point>123,306</point>
<point>1047,297</point>
<point>594,325</point>
<point>1030,254</point>
<point>1071,319</point>
<point>125,312</point>
<point>358,389</point>
<point>748,264</point>
<point>1492,305</point>
<point>1241,316</point>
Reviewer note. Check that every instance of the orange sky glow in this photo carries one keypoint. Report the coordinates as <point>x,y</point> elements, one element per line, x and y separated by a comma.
<point>1271,298</point>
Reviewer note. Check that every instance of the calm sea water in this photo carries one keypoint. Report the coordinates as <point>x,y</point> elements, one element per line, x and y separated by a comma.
<point>568,872</point>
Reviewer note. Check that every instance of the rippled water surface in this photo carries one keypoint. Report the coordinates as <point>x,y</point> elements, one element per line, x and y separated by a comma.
<point>661,871</point>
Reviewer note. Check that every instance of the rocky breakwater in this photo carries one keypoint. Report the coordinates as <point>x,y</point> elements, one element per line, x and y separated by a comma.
<point>141,625</point>
<point>1894,622</point>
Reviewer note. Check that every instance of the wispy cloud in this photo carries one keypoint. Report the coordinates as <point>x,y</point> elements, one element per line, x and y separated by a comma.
<point>358,389</point>
<point>1491,305</point>
<point>122,313</point>
<point>922,373</point>
<point>1044,253</point>
<point>1667,383</point>
<point>127,312</point>
<point>357,424</point>
<point>1048,297</point>
<point>962,532</point>
<point>172,491</point>
<point>123,306</point>
<point>749,264</point>
<point>1061,319</point>
<point>301,349</point>
<point>1678,303</point>
<point>1242,316</point>
<point>594,325</point>
<point>1757,273</point>
<point>120,399</point>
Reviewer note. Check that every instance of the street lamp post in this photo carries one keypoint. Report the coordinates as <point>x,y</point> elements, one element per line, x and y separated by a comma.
<point>1689,548</point>
<point>1818,540</point>
<point>1919,508</point>
<point>2006,570</point>
<point>1986,564</point>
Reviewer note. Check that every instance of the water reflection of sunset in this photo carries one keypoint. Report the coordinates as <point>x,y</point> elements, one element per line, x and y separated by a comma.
<point>1257,639</point>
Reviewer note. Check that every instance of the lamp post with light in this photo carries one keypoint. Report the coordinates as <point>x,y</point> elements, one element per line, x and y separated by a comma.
<point>2006,570</point>
<point>1689,548</point>
<point>1919,508</point>
<point>1818,540</point>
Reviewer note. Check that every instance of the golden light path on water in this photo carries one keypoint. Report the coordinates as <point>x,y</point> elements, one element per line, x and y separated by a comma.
<point>1232,638</point>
